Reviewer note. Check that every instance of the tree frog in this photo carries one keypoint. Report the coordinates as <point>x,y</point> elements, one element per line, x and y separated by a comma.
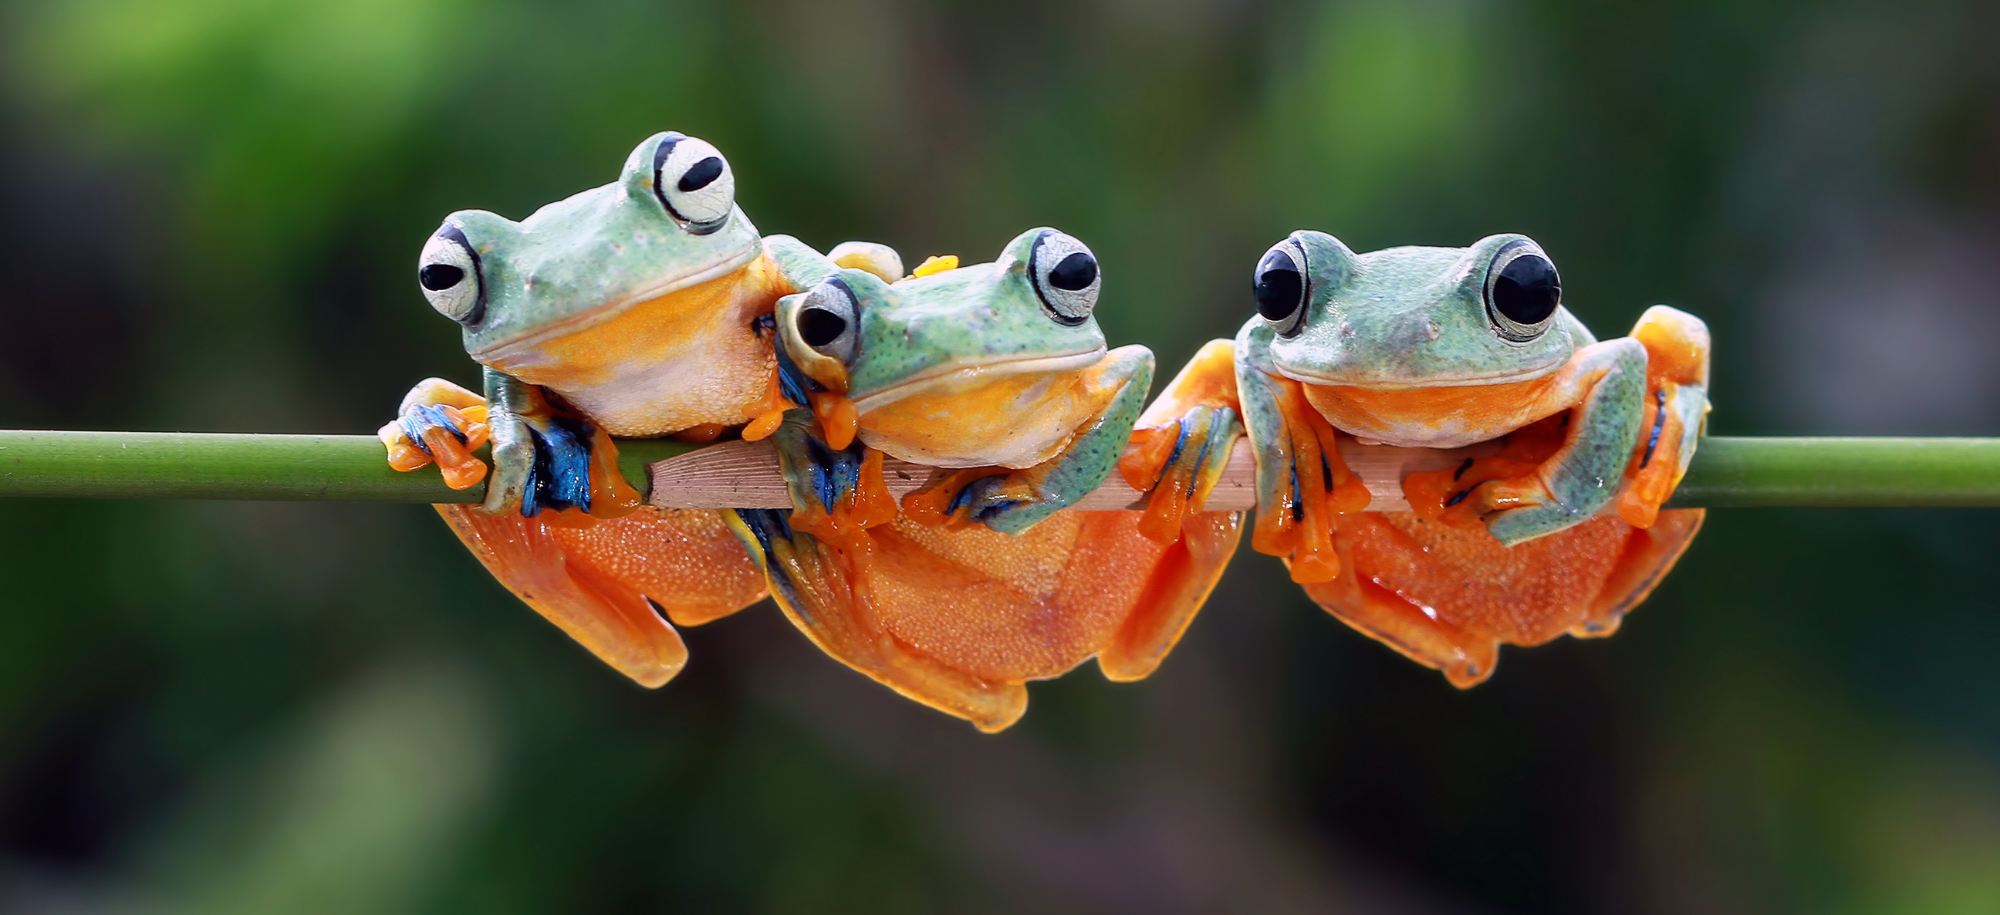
<point>997,375</point>
<point>1557,527</point>
<point>640,308</point>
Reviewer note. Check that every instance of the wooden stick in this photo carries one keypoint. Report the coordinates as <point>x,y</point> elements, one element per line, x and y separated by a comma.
<point>745,475</point>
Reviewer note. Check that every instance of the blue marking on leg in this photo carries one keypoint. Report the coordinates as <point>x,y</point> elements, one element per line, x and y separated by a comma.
<point>834,474</point>
<point>424,416</point>
<point>561,475</point>
<point>1200,458</point>
<point>1298,501</point>
<point>1659,424</point>
<point>768,526</point>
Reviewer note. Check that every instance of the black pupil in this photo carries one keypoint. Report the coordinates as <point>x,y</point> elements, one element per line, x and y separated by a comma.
<point>1527,289</point>
<point>701,174</point>
<point>439,277</point>
<point>820,327</point>
<point>1280,287</point>
<point>1076,271</point>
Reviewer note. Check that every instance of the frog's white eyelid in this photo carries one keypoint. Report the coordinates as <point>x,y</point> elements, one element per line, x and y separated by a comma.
<point>1281,288</point>
<point>448,274</point>
<point>1066,277</point>
<point>694,183</point>
<point>827,319</point>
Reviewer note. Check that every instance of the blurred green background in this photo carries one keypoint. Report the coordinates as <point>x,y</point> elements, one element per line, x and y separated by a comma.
<point>209,215</point>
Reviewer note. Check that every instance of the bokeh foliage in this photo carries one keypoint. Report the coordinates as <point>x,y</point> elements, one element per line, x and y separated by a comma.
<point>209,211</point>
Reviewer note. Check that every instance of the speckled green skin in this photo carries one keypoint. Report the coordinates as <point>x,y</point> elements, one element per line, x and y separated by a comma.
<point>1410,316</point>
<point>955,319</point>
<point>607,245</point>
<point>984,314</point>
<point>1416,317</point>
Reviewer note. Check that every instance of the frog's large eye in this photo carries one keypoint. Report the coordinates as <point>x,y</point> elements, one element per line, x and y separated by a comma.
<point>827,319</point>
<point>448,271</point>
<point>1280,287</point>
<point>1066,277</point>
<point>1522,292</point>
<point>694,182</point>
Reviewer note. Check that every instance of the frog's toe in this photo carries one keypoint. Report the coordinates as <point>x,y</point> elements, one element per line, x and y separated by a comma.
<point>442,434</point>
<point>1667,441</point>
<point>1178,465</point>
<point>1004,504</point>
<point>837,493</point>
<point>991,496</point>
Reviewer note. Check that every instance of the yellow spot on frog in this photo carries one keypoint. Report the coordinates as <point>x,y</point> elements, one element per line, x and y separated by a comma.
<point>935,264</point>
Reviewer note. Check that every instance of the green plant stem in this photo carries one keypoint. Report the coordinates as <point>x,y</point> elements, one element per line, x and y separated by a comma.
<point>1726,473</point>
<point>1842,473</point>
<point>195,465</point>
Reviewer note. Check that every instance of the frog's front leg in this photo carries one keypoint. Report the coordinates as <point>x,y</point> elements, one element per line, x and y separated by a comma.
<point>545,457</point>
<point>1302,480</point>
<point>443,423</point>
<point>837,493</point>
<point>1013,501</point>
<point>1676,403</point>
<point>1606,382</point>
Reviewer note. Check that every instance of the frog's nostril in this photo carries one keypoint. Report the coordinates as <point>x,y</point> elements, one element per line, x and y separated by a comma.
<point>439,277</point>
<point>819,327</point>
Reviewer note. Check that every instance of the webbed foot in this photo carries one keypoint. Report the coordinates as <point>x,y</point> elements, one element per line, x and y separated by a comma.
<point>1677,354</point>
<point>1303,485</point>
<point>837,493</point>
<point>1184,440</point>
<point>439,422</point>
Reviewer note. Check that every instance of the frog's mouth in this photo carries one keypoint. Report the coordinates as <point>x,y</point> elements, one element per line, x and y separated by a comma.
<point>966,376</point>
<point>1308,375</point>
<point>730,262</point>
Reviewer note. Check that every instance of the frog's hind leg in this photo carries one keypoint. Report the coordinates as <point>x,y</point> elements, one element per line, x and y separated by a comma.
<point>1183,575</point>
<point>608,616</point>
<point>1650,553</point>
<point>825,592</point>
<point>686,561</point>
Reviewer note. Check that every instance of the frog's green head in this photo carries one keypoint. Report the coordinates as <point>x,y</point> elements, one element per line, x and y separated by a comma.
<point>1029,311</point>
<point>669,222</point>
<point>1412,317</point>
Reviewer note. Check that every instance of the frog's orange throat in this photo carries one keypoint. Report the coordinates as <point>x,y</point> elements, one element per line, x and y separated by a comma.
<point>691,358</point>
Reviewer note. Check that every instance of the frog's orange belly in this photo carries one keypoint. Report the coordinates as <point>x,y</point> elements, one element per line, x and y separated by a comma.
<point>1017,422</point>
<point>1435,417</point>
<point>684,359</point>
<point>1009,607</point>
<point>1449,596</point>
